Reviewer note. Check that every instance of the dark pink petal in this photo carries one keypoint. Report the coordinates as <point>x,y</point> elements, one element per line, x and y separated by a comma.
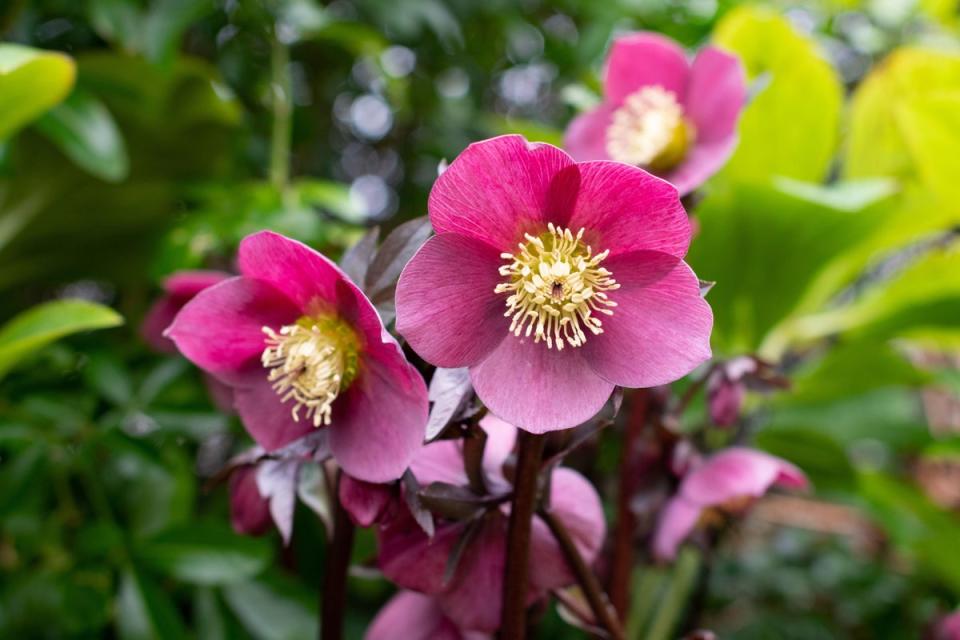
<point>624,208</point>
<point>186,284</point>
<point>539,389</point>
<point>660,328</point>
<point>725,400</point>
<point>220,330</point>
<point>305,276</point>
<point>378,423</point>
<point>586,136</point>
<point>496,190</point>
<point>440,461</point>
<point>268,420</point>
<point>948,628</point>
<point>738,472</point>
<point>249,511</point>
<point>645,59</point>
<point>158,318</point>
<point>701,162</point>
<point>574,502</point>
<point>676,522</point>
<point>446,307</point>
<point>716,94</point>
<point>412,616</point>
<point>473,599</point>
<point>410,559</point>
<point>365,502</point>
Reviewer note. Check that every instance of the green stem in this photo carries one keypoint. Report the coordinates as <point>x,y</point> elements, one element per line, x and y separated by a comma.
<point>675,599</point>
<point>281,89</point>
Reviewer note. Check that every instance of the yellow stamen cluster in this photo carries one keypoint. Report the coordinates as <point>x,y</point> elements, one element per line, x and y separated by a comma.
<point>556,285</point>
<point>649,130</point>
<point>311,362</point>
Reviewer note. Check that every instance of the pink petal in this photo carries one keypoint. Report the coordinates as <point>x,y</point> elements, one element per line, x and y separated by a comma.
<point>676,522</point>
<point>268,420</point>
<point>186,284</point>
<point>738,472</point>
<point>539,389</point>
<point>412,616</point>
<point>365,502</point>
<point>496,190</point>
<point>440,461</point>
<point>249,511</point>
<point>220,394</point>
<point>701,162</point>
<point>501,436</point>
<point>473,599</point>
<point>644,59</point>
<point>660,328</point>
<point>716,94</point>
<point>586,136</point>
<point>410,559</point>
<point>378,424</point>
<point>446,307</point>
<point>179,289</point>
<point>220,330</point>
<point>624,208</point>
<point>305,276</point>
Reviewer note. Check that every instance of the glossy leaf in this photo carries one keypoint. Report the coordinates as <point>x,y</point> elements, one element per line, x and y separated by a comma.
<point>31,82</point>
<point>273,608</point>
<point>145,611</point>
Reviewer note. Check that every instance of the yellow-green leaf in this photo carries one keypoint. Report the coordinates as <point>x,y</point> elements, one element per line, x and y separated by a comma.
<point>31,82</point>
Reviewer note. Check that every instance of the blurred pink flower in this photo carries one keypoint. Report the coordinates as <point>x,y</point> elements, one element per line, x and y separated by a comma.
<point>414,616</point>
<point>662,113</point>
<point>302,347</point>
<point>948,628</point>
<point>249,511</point>
<point>728,481</point>
<point>553,281</point>
<point>726,390</point>
<point>469,595</point>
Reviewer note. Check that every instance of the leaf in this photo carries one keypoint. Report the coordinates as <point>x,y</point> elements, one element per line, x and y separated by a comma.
<point>411,497</point>
<point>356,260</point>
<point>930,126</point>
<point>449,389</point>
<point>144,611</point>
<point>397,249</point>
<point>277,482</point>
<point>85,131</point>
<point>45,323</point>
<point>205,554</point>
<point>31,82</point>
<point>791,127</point>
<point>819,455</point>
<point>273,608</point>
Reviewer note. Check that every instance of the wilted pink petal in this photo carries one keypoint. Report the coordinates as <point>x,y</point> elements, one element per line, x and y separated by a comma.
<point>366,502</point>
<point>413,616</point>
<point>249,511</point>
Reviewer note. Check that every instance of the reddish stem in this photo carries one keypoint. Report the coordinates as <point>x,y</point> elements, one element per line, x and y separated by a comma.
<point>513,619</point>
<point>333,601</point>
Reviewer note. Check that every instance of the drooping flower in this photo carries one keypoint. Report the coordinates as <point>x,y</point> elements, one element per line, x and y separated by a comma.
<point>249,511</point>
<point>414,616</point>
<point>553,281</point>
<point>303,348</point>
<point>674,118</point>
<point>726,390</point>
<point>727,481</point>
<point>462,565</point>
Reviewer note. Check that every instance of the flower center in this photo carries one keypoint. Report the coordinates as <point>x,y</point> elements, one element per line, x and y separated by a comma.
<point>311,362</point>
<point>555,285</point>
<point>649,130</point>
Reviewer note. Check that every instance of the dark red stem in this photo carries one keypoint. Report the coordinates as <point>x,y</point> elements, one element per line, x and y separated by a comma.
<point>333,602</point>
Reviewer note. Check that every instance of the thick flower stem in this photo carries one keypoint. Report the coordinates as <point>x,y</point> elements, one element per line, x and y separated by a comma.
<point>513,621</point>
<point>585,577</point>
<point>621,564</point>
<point>333,601</point>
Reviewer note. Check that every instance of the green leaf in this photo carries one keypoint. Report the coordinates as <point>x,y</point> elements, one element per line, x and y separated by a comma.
<point>791,126</point>
<point>85,131</point>
<point>206,554</point>
<point>273,608</point>
<point>930,126</point>
<point>31,82</point>
<point>45,323</point>
<point>819,455</point>
<point>145,611</point>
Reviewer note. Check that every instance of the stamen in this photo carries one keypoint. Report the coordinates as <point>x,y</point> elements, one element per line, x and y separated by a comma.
<point>556,285</point>
<point>311,362</point>
<point>649,130</point>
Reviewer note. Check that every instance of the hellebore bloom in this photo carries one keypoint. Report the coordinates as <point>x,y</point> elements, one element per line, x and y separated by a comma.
<point>727,481</point>
<point>414,616</point>
<point>475,546</point>
<point>662,113</point>
<point>553,281</point>
<point>948,628</point>
<point>302,347</point>
<point>249,511</point>
<point>726,390</point>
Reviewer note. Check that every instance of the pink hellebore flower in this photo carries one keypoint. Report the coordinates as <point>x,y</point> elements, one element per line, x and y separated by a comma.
<point>948,628</point>
<point>470,596</point>
<point>414,616</point>
<point>249,511</point>
<point>726,390</point>
<point>302,347</point>
<point>553,281</point>
<point>662,113</point>
<point>725,481</point>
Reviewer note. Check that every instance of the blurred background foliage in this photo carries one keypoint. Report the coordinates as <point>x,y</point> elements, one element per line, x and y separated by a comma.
<point>140,137</point>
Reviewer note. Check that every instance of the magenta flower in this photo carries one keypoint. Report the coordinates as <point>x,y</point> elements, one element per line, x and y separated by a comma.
<point>727,481</point>
<point>662,113</point>
<point>249,511</point>
<point>726,390</point>
<point>366,503</point>
<point>948,628</point>
<point>178,290</point>
<point>470,597</point>
<point>414,616</point>
<point>302,347</point>
<point>553,281</point>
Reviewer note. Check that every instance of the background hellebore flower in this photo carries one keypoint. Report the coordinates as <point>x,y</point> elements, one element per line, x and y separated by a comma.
<point>462,565</point>
<point>662,113</point>
<point>249,511</point>
<point>414,616</point>
<point>726,390</point>
<point>727,481</point>
<point>948,628</point>
<point>553,281</point>
<point>302,347</point>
